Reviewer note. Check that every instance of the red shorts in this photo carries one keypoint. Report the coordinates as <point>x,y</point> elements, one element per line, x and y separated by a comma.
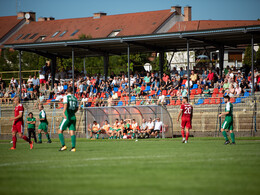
<point>42,81</point>
<point>18,127</point>
<point>186,123</point>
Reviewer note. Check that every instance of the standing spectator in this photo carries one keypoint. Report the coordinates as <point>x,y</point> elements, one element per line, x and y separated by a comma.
<point>31,121</point>
<point>13,83</point>
<point>2,84</point>
<point>42,77</point>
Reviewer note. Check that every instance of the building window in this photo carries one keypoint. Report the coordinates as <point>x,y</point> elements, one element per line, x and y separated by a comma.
<point>63,33</point>
<point>19,36</point>
<point>234,56</point>
<point>34,35</point>
<point>114,33</point>
<point>55,34</point>
<point>25,37</point>
<point>74,32</point>
<point>40,39</point>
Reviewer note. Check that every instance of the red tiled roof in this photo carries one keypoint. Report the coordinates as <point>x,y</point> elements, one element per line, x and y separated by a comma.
<point>211,24</point>
<point>7,23</point>
<point>129,24</point>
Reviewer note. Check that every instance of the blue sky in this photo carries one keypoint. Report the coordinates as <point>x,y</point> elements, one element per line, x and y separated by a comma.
<point>201,9</point>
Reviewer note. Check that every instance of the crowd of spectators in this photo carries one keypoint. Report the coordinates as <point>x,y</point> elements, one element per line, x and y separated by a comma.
<point>148,87</point>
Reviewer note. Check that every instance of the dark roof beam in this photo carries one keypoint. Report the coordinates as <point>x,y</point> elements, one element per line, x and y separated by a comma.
<point>147,46</point>
<point>97,51</point>
<point>213,43</point>
<point>44,54</point>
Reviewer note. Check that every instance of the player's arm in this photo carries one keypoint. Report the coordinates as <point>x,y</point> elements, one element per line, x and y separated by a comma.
<point>224,114</point>
<point>178,118</point>
<point>64,110</point>
<point>17,117</point>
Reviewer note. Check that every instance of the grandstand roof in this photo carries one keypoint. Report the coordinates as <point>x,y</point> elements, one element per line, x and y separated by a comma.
<point>211,24</point>
<point>139,30</point>
<point>126,25</point>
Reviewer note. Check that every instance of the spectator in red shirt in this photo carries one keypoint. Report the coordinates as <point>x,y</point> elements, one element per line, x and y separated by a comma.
<point>210,76</point>
<point>165,77</point>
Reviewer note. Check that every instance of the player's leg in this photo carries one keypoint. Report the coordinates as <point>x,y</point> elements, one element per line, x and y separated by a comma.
<point>232,135</point>
<point>46,133</point>
<point>72,129</point>
<point>224,133</point>
<point>40,134</point>
<point>183,124</point>
<point>187,135</point>
<point>14,139</point>
<point>24,137</point>
<point>63,126</point>
<point>34,135</point>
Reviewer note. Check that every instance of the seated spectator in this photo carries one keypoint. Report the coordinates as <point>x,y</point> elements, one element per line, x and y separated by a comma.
<point>238,91</point>
<point>137,90</point>
<point>226,85</point>
<point>30,80</point>
<point>210,76</point>
<point>244,85</point>
<point>30,91</point>
<point>186,84</point>
<point>193,77</point>
<point>13,83</point>
<point>110,101</point>
<point>175,84</point>
<point>231,91</point>
<point>35,81</point>
<point>147,79</point>
<point>84,101</point>
<point>184,92</point>
<point>206,92</point>
<point>161,99</point>
<point>204,75</point>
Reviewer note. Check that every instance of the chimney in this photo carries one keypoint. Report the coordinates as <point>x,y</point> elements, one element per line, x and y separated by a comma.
<point>50,18</point>
<point>41,19</point>
<point>20,15</point>
<point>187,13</point>
<point>177,9</point>
<point>99,15</point>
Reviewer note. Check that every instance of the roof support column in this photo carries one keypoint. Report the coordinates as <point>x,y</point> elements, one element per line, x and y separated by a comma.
<point>128,64</point>
<point>106,63</point>
<point>188,67</point>
<point>73,84</point>
<point>161,62</point>
<point>20,74</point>
<point>252,64</point>
<point>53,70</point>
<point>221,59</point>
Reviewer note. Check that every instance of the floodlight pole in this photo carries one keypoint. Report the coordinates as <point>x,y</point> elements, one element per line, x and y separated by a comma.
<point>128,61</point>
<point>72,55</point>
<point>252,64</point>
<point>20,73</point>
<point>188,67</point>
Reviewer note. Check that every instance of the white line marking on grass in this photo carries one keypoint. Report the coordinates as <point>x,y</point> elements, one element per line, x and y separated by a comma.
<point>84,159</point>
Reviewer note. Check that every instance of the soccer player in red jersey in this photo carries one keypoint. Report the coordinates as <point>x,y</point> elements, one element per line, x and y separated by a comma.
<point>186,118</point>
<point>18,124</point>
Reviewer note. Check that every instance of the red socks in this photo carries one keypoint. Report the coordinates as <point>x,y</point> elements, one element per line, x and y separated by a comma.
<point>187,135</point>
<point>26,138</point>
<point>14,141</point>
<point>182,133</point>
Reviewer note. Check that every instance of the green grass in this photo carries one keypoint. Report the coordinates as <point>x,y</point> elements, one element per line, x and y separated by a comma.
<point>203,166</point>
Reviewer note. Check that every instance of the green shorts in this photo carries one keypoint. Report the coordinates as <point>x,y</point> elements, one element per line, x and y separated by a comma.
<point>43,126</point>
<point>227,124</point>
<point>68,123</point>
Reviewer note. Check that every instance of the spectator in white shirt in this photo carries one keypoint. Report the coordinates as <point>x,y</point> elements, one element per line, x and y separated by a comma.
<point>158,126</point>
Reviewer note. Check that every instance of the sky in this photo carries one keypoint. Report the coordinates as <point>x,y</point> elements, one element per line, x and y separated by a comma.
<point>201,9</point>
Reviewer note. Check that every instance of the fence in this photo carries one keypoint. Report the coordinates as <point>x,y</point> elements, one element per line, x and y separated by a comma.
<point>206,110</point>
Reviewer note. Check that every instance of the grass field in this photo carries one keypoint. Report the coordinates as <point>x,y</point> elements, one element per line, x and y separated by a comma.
<point>156,166</point>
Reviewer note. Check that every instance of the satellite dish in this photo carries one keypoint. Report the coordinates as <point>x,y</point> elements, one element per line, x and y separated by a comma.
<point>27,16</point>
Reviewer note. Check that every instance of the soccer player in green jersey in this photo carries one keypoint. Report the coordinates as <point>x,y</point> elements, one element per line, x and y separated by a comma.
<point>43,125</point>
<point>69,119</point>
<point>228,123</point>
